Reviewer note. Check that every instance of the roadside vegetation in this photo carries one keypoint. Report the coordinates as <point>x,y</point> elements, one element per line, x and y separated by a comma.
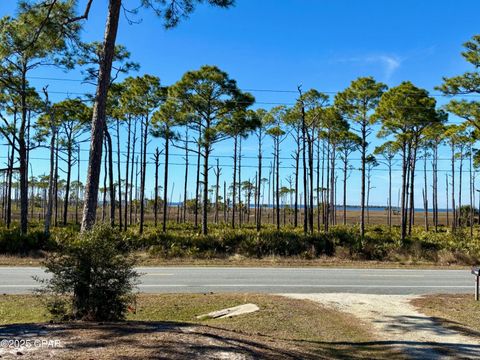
<point>182,242</point>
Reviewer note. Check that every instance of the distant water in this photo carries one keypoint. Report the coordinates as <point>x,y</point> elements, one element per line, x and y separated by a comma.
<point>340,207</point>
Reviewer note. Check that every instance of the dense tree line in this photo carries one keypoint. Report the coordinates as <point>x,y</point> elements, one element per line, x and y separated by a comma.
<point>206,107</point>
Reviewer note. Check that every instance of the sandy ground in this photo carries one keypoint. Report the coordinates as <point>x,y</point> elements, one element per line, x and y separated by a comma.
<point>398,323</point>
<point>140,341</point>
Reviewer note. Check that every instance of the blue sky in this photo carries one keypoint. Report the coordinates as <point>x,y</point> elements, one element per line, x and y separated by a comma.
<point>279,44</point>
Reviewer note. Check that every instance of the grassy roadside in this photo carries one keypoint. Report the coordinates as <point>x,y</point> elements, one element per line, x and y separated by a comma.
<point>303,326</point>
<point>458,312</point>
<point>239,261</point>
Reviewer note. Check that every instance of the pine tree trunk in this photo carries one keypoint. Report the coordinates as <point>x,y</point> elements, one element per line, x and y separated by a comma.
<point>217,188</point>
<point>133,172</point>
<point>472,190</point>
<point>98,118</point>
<point>67,185</point>
<point>144,174</point>
<point>332,186</point>
<point>390,194</point>
<point>304,160</point>
<point>8,216</point>
<point>110,177</point>
<point>412,189</point>
<point>165,183</point>
<point>105,172</point>
<point>362,189</point>
<point>240,207</point>
<point>297,165</point>
<point>119,175</point>
<point>425,201</point>
<point>197,187</point>
<point>56,182</point>
<point>345,169</point>
<point>318,185</point>
<point>327,190</point>
<point>77,200</point>
<point>403,195</point>
<point>234,189</point>
<point>127,169</point>
<point>205,191</point>
<point>460,178</point>
<point>310,168</point>
<point>155,201</point>
<point>48,218</point>
<point>185,184</point>
<point>277,182</point>
<point>454,212</point>
<point>259,211</point>
<point>22,156</point>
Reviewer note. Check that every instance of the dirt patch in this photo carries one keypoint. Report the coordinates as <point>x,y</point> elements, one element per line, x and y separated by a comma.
<point>456,311</point>
<point>400,324</point>
<point>142,340</point>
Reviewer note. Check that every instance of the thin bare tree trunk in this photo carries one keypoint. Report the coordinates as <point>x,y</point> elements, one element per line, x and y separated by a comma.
<point>205,191</point>
<point>156,157</point>
<point>258,219</point>
<point>56,182</point>
<point>454,212</point>
<point>362,194</point>
<point>143,175</point>
<point>345,169</point>
<point>109,150</point>
<point>48,218</point>
<point>217,186</point>
<point>304,160</point>
<point>78,185</point>
<point>446,196</point>
<point>240,207</point>
<point>165,183</point>
<point>127,168</point>
<point>234,189</point>
<point>277,181</point>
<point>197,187</point>
<point>119,175</point>
<point>185,184</point>
<point>425,192</point>
<point>67,185</point>
<point>133,172</point>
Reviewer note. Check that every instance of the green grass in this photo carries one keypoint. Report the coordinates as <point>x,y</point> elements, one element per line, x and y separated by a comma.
<point>19,309</point>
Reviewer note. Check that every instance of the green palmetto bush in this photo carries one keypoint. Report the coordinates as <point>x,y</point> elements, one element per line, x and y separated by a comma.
<point>92,276</point>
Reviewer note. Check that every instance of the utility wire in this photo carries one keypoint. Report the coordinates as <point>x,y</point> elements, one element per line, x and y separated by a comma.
<point>340,169</point>
<point>251,89</point>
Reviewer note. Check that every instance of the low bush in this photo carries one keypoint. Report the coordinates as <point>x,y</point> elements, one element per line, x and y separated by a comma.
<point>12,242</point>
<point>380,243</point>
<point>92,276</point>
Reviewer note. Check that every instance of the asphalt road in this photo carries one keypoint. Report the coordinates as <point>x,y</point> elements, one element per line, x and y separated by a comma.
<point>18,280</point>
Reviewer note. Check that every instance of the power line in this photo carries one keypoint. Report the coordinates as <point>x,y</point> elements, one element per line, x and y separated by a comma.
<point>263,156</point>
<point>259,90</point>
<point>339,169</point>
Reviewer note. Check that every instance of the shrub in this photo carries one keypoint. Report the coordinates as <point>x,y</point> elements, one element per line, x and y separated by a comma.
<point>12,242</point>
<point>92,276</point>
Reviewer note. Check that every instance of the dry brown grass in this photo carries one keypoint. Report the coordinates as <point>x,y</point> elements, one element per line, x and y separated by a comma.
<point>165,326</point>
<point>460,312</point>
